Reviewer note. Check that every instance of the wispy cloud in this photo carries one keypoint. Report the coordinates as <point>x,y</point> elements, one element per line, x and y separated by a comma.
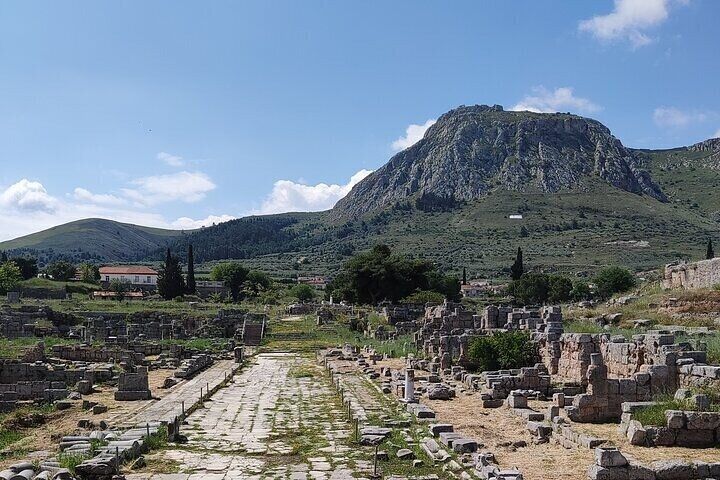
<point>413,134</point>
<point>716,134</point>
<point>630,21</point>
<point>187,223</point>
<point>543,100</point>
<point>289,196</point>
<point>170,159</point>
<point>86,196</point>
<point>677,118</point>
<point>182,186</point>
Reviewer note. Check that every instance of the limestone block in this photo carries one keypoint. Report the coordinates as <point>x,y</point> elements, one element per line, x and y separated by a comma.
<point>636,433</point>
<point>675,418</point>
<point>702,420</point>
<point>672,470</point>
<point>609,457</point>
<point>596,472</point>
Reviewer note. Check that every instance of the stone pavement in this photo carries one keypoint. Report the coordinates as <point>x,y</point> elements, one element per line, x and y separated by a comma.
<point>280,419</point>
<point>170,406</point>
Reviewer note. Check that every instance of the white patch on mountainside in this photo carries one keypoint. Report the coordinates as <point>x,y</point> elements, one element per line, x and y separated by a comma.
<point>289,196</point>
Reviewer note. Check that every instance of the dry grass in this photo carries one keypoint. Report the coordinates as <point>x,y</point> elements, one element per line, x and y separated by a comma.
<point>492,426</point>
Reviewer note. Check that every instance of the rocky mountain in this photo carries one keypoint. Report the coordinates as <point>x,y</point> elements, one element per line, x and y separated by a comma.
<point>473,150</point>
<point>585,200</point>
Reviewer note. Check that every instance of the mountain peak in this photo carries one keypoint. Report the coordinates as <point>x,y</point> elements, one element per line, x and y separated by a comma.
<point>473,150</point>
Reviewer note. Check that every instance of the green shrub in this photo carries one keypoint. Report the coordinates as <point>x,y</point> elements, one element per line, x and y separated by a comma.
<point>503,350</point>
<point>612,280</point>
<point>71,460</point>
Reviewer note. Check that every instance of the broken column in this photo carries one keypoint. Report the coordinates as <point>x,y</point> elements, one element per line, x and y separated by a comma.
<point>409,385</point>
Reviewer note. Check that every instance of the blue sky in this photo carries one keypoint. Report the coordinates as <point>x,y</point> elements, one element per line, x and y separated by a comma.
<point>177,114</point>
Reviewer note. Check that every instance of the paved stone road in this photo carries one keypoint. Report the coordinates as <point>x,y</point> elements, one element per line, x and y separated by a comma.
<point>280,418</point>
<point>170,406</point>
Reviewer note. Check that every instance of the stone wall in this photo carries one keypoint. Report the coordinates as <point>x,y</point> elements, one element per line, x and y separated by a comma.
<point>702,274</point>
<point>692,429</point>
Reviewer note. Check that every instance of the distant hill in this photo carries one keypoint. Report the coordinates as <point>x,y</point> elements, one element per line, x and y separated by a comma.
<point>585,200</point>
<point>93,239</point>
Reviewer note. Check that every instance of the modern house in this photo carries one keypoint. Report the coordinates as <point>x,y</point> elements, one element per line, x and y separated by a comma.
<point>135,275</point>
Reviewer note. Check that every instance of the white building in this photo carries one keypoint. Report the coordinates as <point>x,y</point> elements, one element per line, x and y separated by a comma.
<point>135,275</point>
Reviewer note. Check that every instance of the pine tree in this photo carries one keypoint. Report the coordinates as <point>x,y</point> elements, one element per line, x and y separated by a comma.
<point>191,288</point>
<point>517,269</point>
<point>464,276</point>
<point>710,253</point>
<point>170,280</point>
<point>3,257</point>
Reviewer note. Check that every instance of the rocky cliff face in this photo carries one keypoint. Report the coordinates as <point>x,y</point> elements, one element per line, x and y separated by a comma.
<point>473,150</point>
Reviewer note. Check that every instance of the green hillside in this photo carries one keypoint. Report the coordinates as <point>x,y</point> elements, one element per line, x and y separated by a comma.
<point>570,232</point>
<point>92,239</point>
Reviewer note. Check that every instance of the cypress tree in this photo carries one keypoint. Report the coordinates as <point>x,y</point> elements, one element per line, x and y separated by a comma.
<point>517,269</point>
<point>710,253</point>
<point>191,288</point>
<point>464,276</point>
<point>170,279</point>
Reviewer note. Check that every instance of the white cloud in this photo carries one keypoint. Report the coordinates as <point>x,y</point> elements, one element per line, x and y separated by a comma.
<point>676,118</point>
<point>413,134</point>
<point>83,195</point>
<point>543,100</point>
<point>289,196</point>
<point>184,186</point>
<point>27,196</point>
<point>170,159</point>
<point>629,21</point>
<point>187,223</point>
<point>26,207</point>
<point>716,134</point>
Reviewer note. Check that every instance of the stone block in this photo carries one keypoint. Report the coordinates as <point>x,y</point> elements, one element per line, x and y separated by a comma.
<point>695,438</point>
<point>464,445</point>
<point>438,428</point>
<point>636,433</point>
<point>596,472</point>
<point>672,470</point>
<point>609,457</point>
<point>675,418</point>
<point>702,420</point>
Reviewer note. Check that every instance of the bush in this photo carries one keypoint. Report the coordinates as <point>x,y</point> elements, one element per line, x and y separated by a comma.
<point>612,280</point>
<point>303,292</point>
<point>503,350</point>
<point>424,296</point>
<point>540,288</point>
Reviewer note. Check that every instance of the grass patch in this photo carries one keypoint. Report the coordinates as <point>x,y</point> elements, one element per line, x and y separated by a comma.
<point>588,326</point>
<point>655,414</point>
<point>72,460</point>
<point>302,371</point>
<point>157,440</point>
<point>13,348</point>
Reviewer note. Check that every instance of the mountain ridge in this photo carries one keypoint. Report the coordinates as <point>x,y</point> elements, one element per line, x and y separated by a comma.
<point>565,180</point>
<point>471,150</point>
